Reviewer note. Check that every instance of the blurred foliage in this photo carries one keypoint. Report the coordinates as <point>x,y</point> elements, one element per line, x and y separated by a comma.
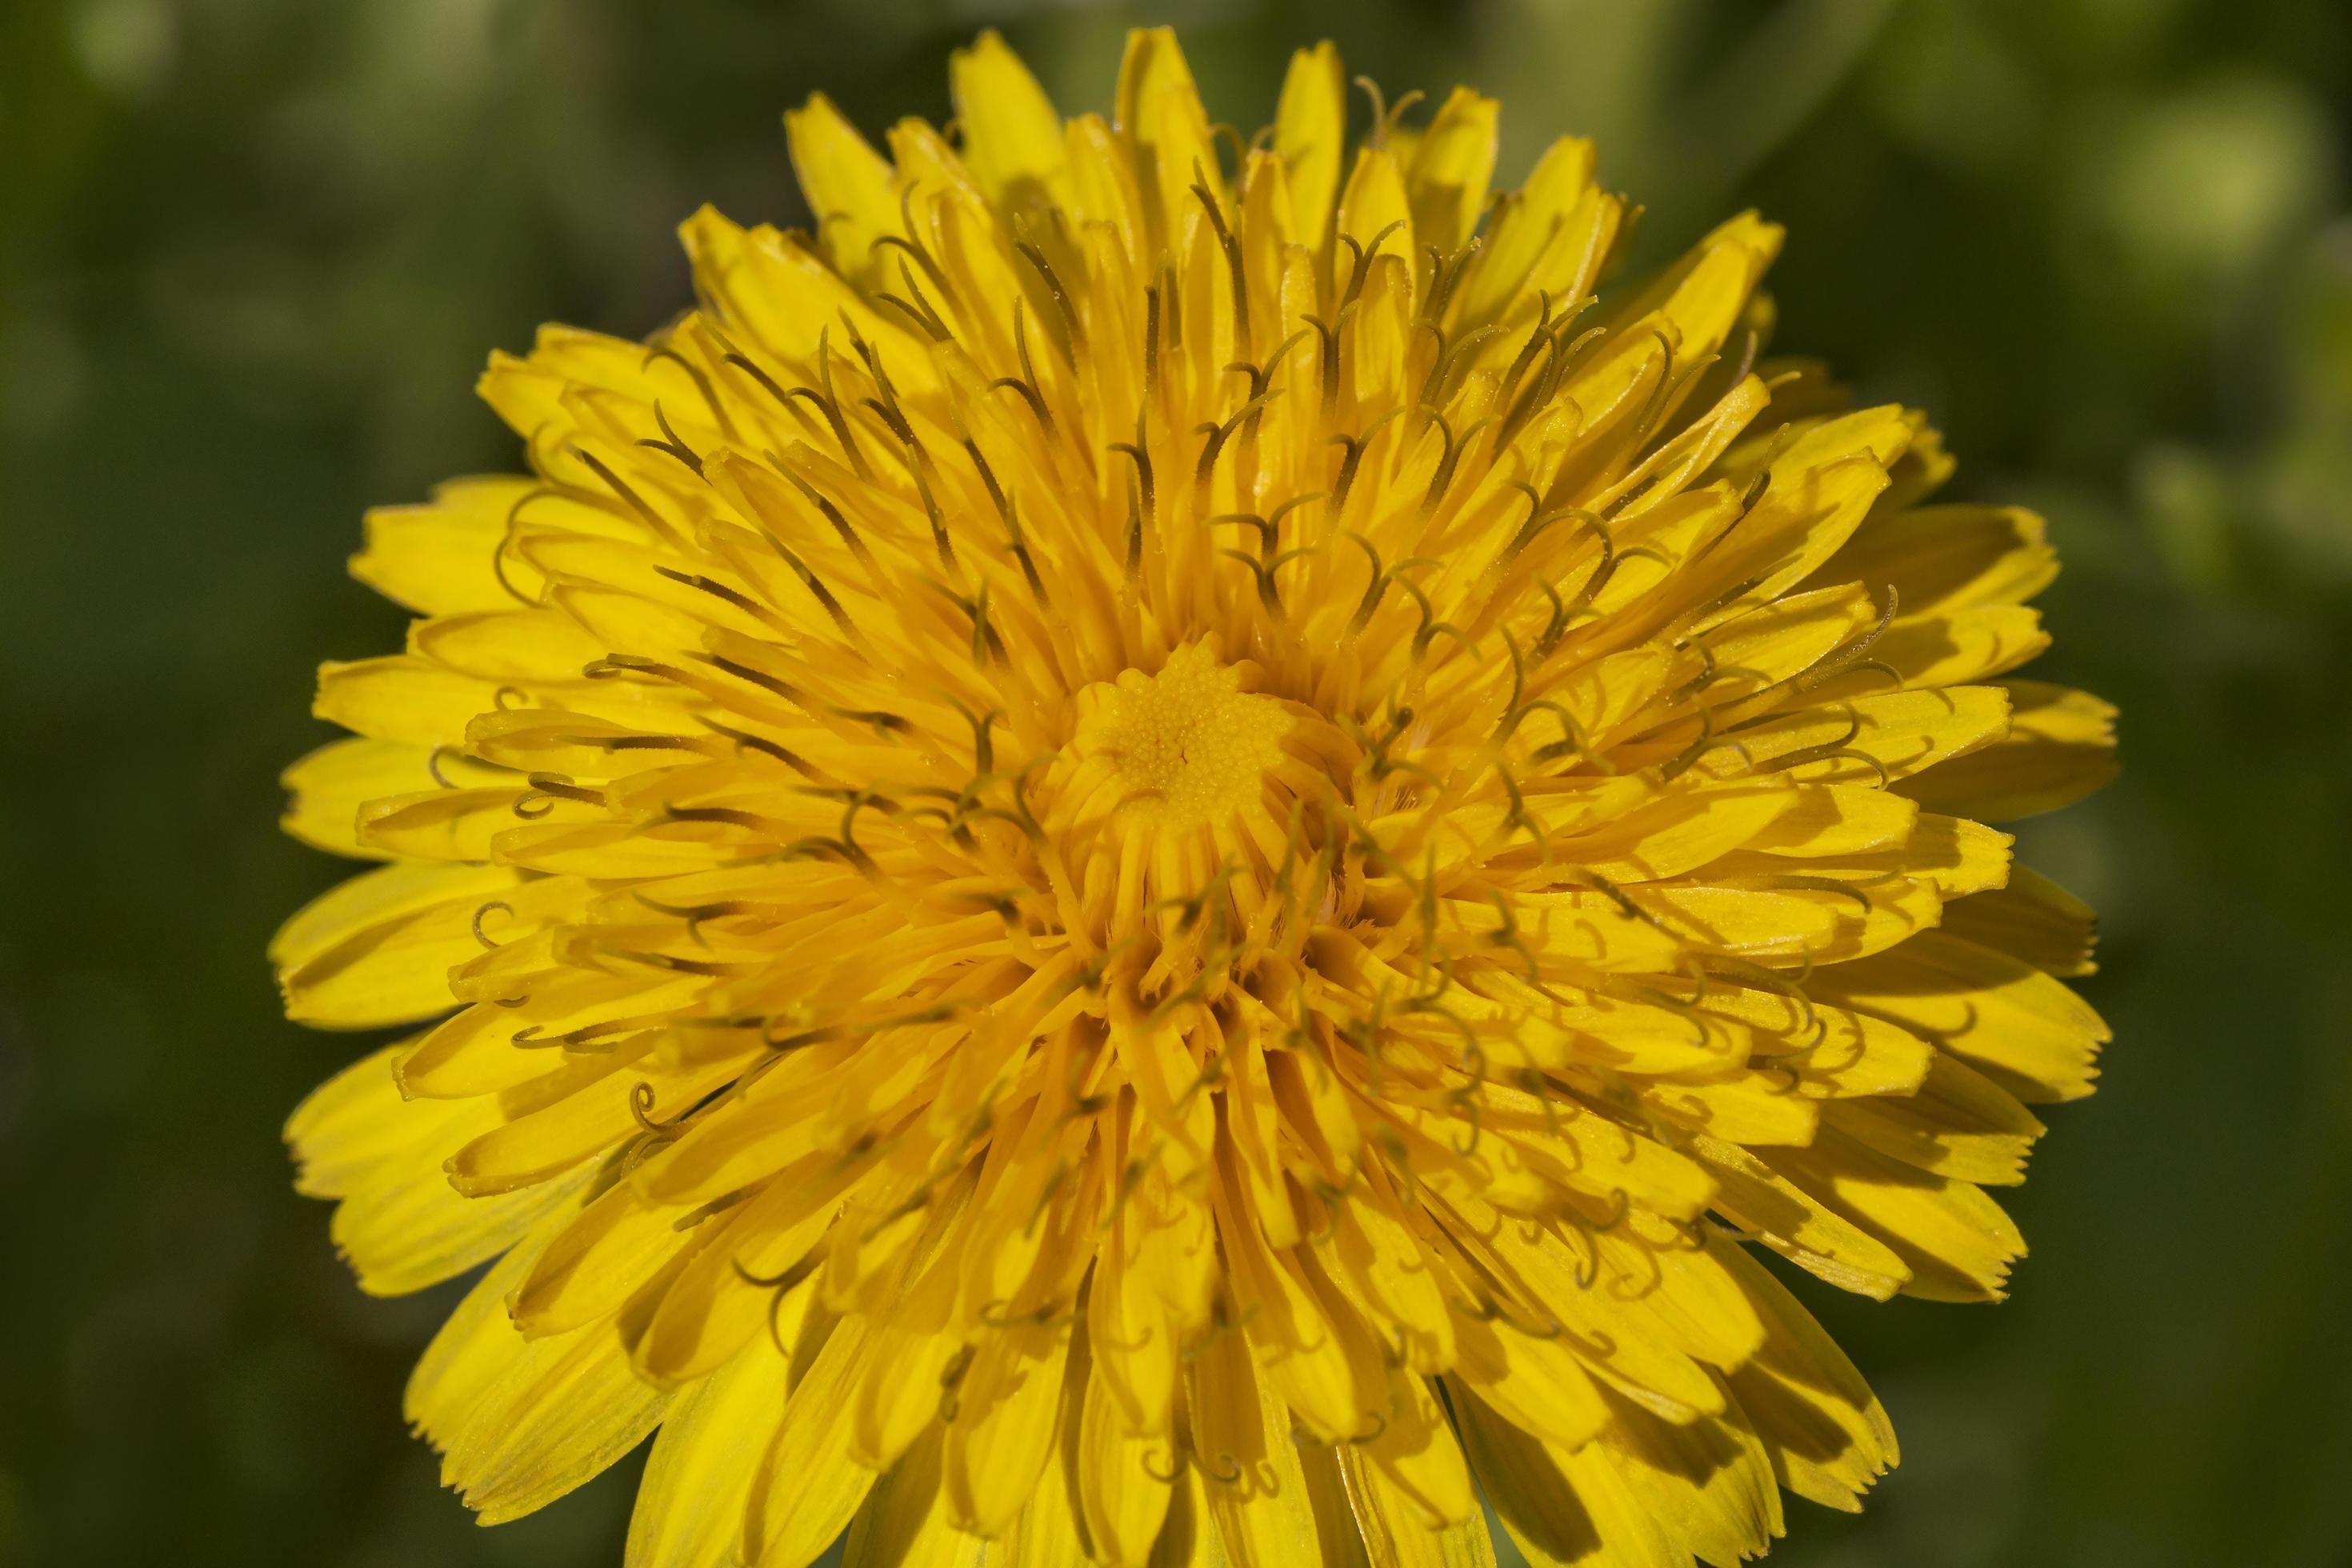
<point>253,251</point>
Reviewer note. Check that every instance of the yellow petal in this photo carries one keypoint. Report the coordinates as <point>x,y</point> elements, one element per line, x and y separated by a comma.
<point>400,1224</point>
<point>718,1304</point>
<point>378,950</point>
<point>1122,1478</point>
<point>509,644</point>
<point>904,1392</point>
<point>1012,140</point>
<point>441,557</point>
<point>592,1106</point>
<point>1551,236</point>
<point>1446,188</point>
<point>1944,558</point>
<point>2001,1015</point>
<point>1838,819</point>
<point>2033,919</point>
<point>1905,732</point>
<point>1954,647</point>
<point>1678,834</point>
<point>1393,1525</point>
<point>1784,637</point>
<point>808,1487</point>
<point>453,824</point>
<point>1799,1226</point>
<point>1373,208</point>
<point>1310,1353</point>
<point>1957,1241</point>
<point>850,188</point>
<point>1159,114</point>
<point>904,1522</point>
<point>1817,493</point>
<point>1539,1386</point>
<point>690,1502</point>
<point>488,1046</point>
<point>1372,1256</point>
<point>1703,295</point>
<point>1048,1534</point>
<point>1708,1483</point>
<point>1959,1124</point>
<point>787,302</point>
<point>1957,856</point>
<point>1105,182</point>
<point>1310,132</point>
<point>1748,1109</point>
<point>1005,1425</point>
<point>594,1263</point>
<point>1256,1489</point>
<point>1561,1506</point>
<point>1626,1346</point>
<point>1418,1459</point>
<point>1133,1344</point>
<point>522,1422</point>
<point>330,784</point>
<point>2059,747</point>
<point>401,697</point>
<point>1826,1433</point>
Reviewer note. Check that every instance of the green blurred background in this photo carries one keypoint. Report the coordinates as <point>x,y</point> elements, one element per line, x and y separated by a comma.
<point>252,253</point>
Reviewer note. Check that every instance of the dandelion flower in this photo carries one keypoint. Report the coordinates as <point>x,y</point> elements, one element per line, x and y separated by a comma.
<point>1178,851</point>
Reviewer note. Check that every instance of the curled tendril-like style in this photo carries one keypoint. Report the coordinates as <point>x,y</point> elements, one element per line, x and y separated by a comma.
<point>501,905</point>
<point>668,442</point>
<point>1625,1287</point>
<point>1246,520</point>
<point>1539,334</point>
<point>1430,626</point>
<point>433,765</point>
<point>1841,749</point>
<point>1168,1477</point>
<point>1546,1327</point>
<point>1441,481</point>
<point>999,1315</point>
<point>1572,740</point>
<point>1373,589</point>
<point>1352,447</point>
<point>1232,247</point>
<point>1793,988</point>
<point>641,1105</point>
<point>1214,1469</point>
<point>1837,659</point>
<point>1440,387</point>
<point>1385,117</point>
<point>1361,268</point>
<point>1585,877</point>
<point>1701,744</point>
<point>1588,1265</point>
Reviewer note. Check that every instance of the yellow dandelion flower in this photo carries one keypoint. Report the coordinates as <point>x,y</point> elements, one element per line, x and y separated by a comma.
<point>1174,851</point>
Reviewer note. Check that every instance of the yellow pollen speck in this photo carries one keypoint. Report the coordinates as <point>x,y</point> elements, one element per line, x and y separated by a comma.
<point>1187,744</point>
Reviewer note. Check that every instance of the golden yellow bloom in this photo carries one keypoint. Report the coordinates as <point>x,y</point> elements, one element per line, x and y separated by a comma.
<point>1166,857</point>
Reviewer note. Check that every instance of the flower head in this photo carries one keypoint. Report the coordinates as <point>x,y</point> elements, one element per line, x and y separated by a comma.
<point>1178,848</point>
